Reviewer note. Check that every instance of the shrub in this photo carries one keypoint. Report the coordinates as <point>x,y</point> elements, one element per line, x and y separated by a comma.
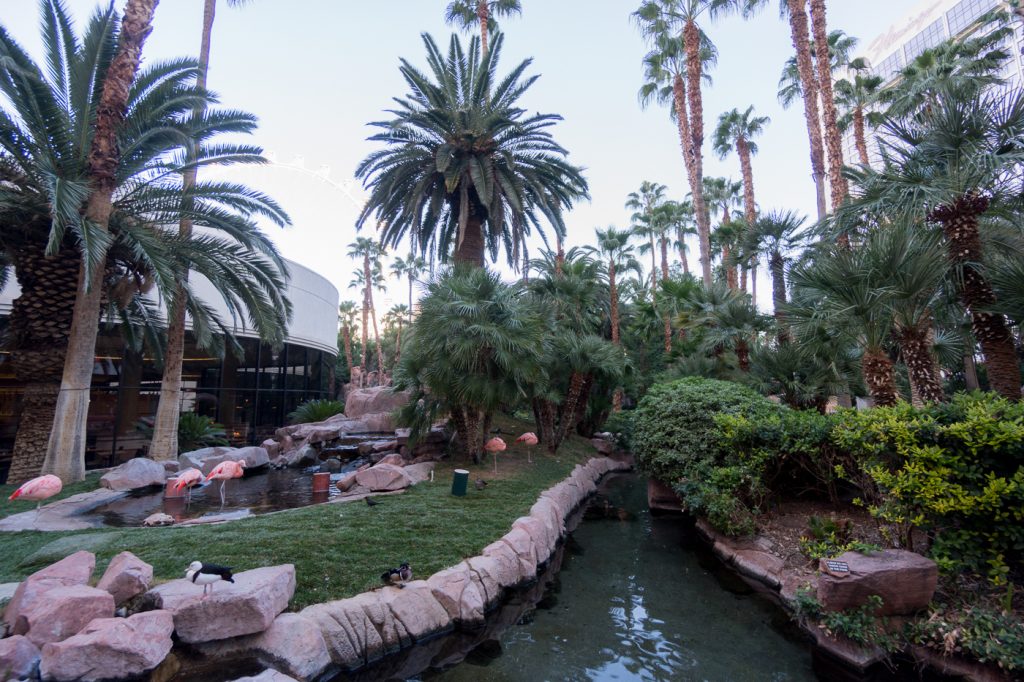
<point>315,411</point>
<point>990,635</point>
<point>194,431</point>
<point>677,439</point>
<point>955,471</point>
<point>620,424</point>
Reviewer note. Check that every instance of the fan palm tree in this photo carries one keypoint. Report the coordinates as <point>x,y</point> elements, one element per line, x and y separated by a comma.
<point>397,316</point>
<point>840,48</point>
<point>643,203</point>
<point>823,68</point>
<point>733,325</point>
<point>347,311</point>
<point>412,268</point>
<point>775,236</point>
<point>679,219</point>
<point>468,14</point>
<point>463,164</point>
<point>856,99</point>
<point>723,196</point>
<point>369,252</point>
<point>736,132</point>
<point>956,167</point>
<point>663,21</point>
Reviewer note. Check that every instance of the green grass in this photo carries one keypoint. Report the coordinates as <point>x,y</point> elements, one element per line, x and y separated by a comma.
<point>341,549</point>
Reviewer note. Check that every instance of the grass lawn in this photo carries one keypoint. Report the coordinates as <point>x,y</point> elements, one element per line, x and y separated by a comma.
<point>338,549</point>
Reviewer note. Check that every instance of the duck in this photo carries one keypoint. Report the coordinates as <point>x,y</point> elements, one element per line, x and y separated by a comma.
<point>397,576</point>
<point>480,484</point>
<point>208,575</point>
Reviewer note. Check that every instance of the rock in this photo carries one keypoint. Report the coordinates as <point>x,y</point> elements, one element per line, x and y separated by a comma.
<point>376,422</point>
<point>605,447</point>
<point>171,466</point>
<point>19,658</point>
<point>139,472</point>
<point>207,458</point>
<point>126,577</point>
<point>247,606</point>
<point>394,458</point>
<point>762,566</point>
<point>272,447</point>
<point>543,542</point>
<point>254,456</point>
<point>377,399</point>
<point>521,543</point>
<point>417,614</point>
<point>266,676</point>
<point>384,478</point>
<point>304,456</point>
<point>158,519</point>
<point>906,582</point>
<point>661,497</point>
<point>514,570</point>
<point>292,644</point>
<point>457,593</point>
<point>75,569</point>
<point>491,575</point>
<point>332,465</point>
<point>63,612</point>
<point>350,628</point>
<point>111,648</point>
<point>346,483</point>
<point>385,446</point>
<point>419,472</point>
<point>195,458</point>
<point>7,591</point>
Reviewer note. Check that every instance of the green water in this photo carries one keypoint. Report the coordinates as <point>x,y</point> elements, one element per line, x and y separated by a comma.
<point>636,600</point>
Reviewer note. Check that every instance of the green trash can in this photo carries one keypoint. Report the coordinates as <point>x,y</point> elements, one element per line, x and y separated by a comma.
<point>460,483</point>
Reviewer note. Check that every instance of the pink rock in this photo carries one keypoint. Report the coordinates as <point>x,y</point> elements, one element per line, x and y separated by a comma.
<point>127,576</point>
<point>417,613</point>
<point>111,648</point>
<point>292,644</point>
<point>521,543</point>
<point>171,466</point>
<point>18,658</point>
<point>385,446</point>
<point>492,575</point>
<point>543,542</point>
<point>63,612</point>
<point>603,446</point>
<point>419,472</point>
<point>272,447</point>
<point>139,472</point>
<point>75,569</point>
<point>384,477</point>
<point>247,606</point>
<point>346,482</point>
<point>394,458</point>
<point>455,591</point>
<point>513,570</point>
<point>762,566</point>
<point>906,582</point>
<point>266,676</point>
<point>377,399</point>
<point>350,628</point>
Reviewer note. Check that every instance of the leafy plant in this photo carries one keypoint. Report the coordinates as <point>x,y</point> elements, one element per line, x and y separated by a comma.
<point>195,431</point>
<point>316,410</point>
<point>829,537</point>
<point>984,633</point>
<point>860,625</point>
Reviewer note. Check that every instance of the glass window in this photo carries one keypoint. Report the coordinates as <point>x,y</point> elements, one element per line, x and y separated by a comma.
<point>931,36</point>
<point>269,416</point>
<point>272,367</point>
<point>298,370</point>
<point>966,13</point>
<point>889,67</point>
<point>241,372</point>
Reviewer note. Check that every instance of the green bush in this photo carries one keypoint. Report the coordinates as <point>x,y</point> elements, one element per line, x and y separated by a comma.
<point>315,411</point>
<point>987,634</point>
<point>955,471</point>
<point>677,440</point>
<point>194,431</point>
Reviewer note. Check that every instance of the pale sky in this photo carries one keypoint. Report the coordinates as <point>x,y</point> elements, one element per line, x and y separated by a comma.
<point>316,72</point>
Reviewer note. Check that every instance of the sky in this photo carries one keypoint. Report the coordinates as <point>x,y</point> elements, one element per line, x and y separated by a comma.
<point>316,72</point>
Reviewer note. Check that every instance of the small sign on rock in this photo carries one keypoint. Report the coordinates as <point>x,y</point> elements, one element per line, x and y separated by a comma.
<point>839,569</point>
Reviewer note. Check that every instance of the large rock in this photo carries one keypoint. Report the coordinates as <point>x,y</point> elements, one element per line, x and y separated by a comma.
<point>904,580</point>
<point>126,577</point>
<point>457,593</point>
<point>292,644</point>
<point>384,478</point>
<point>63,612</point>
<point>208,458</point>
<point>419,472</point>
<point>266,676</point>
<point>195,458</point>
<point>605,447</point>
<point>19,658</point>
<point>75,569</point>
<point>111,648</point>
<point>247,606</point>
<point>393,458</point>
<point>140,472</point>
<point>375,400</point>
<point>303,456</point>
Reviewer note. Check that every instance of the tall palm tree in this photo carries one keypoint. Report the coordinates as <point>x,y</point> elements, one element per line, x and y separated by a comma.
<point>164,442</point>
<point>643,204</point>
<point>733,324</point>
<point>412,268</point>
<point>833,140</point>
<point>840,49</point>
<point>369,252</point>
<point>347,311</point>
<point>662,21</point>
<point>468,14</point>
<point>679,220</point>
<point>397,316</point>
<point>955,167</point>
<point>463,164</point>
<point>856,99</point>
<point>723,196</point>
<point>776,236</point>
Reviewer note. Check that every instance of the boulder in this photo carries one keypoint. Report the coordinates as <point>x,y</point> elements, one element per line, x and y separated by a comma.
<point>384,478</point>
<point>272,447</point>
<point>19,658</point>
<point>491,575</point>
<point>385,446</point>
<point>63,612</point>
<point>171,466</point>
<point>75,569</point>
<point>350,628</point>
<point>127,576</point>
<point>543,541</point>
<point>303,456</point>
<point>346,482</point>
<point>266,676</point>
<point>377,399</point>
<point>605,447</point>
<point>331,466</point>
<point>904,580</point>
<point>457,593</point>
<point>195,458</point>
<point>254,456</point>
<point>375,422</point>
<point>513,569</point>
<point>158,519</point>
<point>419,472</point>
<point>292,644</point>
<point>208,458</point>
<point>111,648</point>
<point>417,614</point>
<point>393,458</point>
<point>247,606</point>
<point>521,543</point>
<point>139,472</point>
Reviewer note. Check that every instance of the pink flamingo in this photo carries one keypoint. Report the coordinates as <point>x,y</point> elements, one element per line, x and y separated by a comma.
<point>529,439</point>
<point>188,479</point>
<point>494,446</point>
<point>38,489</point>
<point>225,470</point>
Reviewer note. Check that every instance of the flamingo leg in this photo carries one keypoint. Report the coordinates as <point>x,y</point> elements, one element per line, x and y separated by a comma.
<point>495,462</point>
<point>222,498</point>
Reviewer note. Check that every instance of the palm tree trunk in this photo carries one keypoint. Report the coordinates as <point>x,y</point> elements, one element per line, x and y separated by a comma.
<point>921,366</point>
<point>801,43</point>
<point>833,141</point>
<point>686,142</point>
<point>366,312</point>
<point>880,377</point>
<point>346,334</point>
<point>398,344</point>
<point>753,284</point>
<point>682,254</point>
<point>471,250</point>
<point>613,293</point>
<point>778,269</point>
<point>858,135</point>
<point>410,293</point>
<point>743,355</point>
<point>691,40</point>
<point>376,338</point>
<point>482,14</point>
<point>970,371</point>
<point>567,418</point>
<point>749,205</point>
<point>65,451</point>
<point>960,227</point>
<point>664,278</point>
<point>730,271</point>
<point>654,266</point>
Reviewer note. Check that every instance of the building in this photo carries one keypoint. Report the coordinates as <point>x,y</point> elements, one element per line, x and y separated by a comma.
<point>928,24</point>
<point>251,393</point>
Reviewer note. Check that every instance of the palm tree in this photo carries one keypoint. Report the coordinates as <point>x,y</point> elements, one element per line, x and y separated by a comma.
<point>833,140</point>
<point>397,316</point>
<point>679,221</point>
<point>840,48</point>
<point>463,164</point>
<point>347,311</point>
<point>733,325</point>
<point>662,21</point>
<point>953,168</point>
<point>724,195</point>
<point>369,252</point>
<point>856,100</point>
<point>643,204</point>
<point>412,267</point>
<point>775,236</point>
<point>469,13</point>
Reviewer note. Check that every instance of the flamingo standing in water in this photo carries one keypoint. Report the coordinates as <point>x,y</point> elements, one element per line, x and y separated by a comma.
<point>494,446</point>
<point>225,470</point>
<point>528,439</point>
<point>188,479</point>
<point>38,489</point>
